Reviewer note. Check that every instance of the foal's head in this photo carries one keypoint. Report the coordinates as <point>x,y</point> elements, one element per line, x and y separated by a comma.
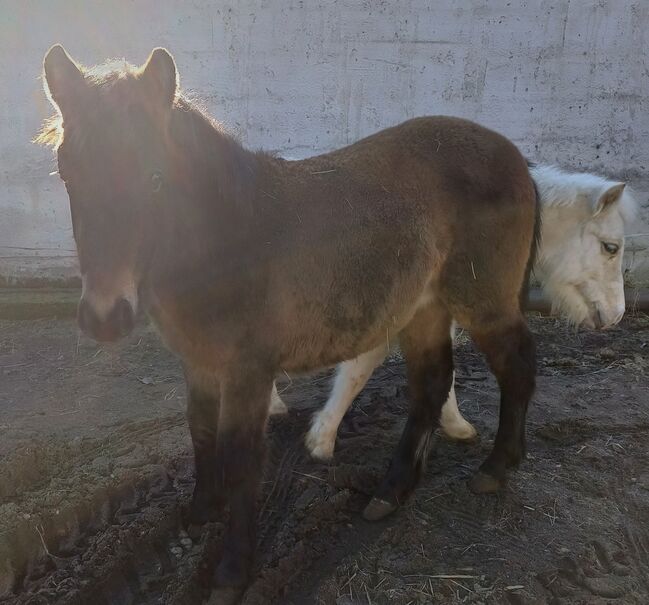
<point>111,141</point>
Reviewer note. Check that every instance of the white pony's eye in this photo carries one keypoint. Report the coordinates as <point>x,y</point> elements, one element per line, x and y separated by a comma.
<point>156,182</point>
<point>610,248</point>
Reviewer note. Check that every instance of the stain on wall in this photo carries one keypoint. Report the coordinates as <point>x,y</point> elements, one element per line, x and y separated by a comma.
<point>568,81</point>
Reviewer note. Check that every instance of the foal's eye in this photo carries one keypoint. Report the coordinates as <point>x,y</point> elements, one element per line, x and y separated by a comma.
<point>610,248</point>
<point>156,182</point>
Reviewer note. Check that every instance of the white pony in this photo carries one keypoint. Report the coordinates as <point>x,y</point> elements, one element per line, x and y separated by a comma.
<point>579,266</point>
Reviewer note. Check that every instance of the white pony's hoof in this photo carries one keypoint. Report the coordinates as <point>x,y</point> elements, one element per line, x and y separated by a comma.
<point>320,441</point>
<point>277,405</point>
<point>464,431</point>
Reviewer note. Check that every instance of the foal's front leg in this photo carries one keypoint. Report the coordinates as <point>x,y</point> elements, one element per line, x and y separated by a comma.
<point>203,394</point>
<point>241,447</point>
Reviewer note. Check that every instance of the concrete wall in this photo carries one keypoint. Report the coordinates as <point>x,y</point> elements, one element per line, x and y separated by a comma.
<point>566,80</point>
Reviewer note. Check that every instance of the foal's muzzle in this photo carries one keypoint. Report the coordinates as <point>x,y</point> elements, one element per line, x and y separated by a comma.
<point>118,323</point>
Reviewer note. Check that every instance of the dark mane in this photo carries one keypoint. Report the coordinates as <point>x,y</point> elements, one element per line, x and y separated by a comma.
<point>226,174</point>
<point>208,162</point>
<point>191,124</point>
<point>104,75</point>
<point>190,115</point>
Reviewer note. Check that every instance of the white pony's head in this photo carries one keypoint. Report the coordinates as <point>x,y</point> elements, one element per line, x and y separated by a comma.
<point>582,242</point>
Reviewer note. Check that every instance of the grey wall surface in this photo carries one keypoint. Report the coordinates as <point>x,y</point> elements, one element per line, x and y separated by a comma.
<point>567,80</point>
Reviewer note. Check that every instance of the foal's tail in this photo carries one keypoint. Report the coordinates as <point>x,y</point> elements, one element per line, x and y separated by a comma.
<point>536,238</point>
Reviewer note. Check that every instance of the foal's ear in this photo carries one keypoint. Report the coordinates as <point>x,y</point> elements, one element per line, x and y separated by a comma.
<point>64,81</point>
<point>160,76</point>
<point>609,197</point>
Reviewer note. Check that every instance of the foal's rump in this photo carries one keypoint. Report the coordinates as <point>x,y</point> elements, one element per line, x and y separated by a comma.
<point>486,271</point>
<point>484,192</point>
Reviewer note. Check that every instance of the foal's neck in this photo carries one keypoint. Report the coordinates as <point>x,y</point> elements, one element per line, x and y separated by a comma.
<point>223,173</point>
<point>211,207</point>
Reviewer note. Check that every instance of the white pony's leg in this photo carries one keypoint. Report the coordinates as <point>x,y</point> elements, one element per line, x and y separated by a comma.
<point>277,406</point>
<point>452,421</point>
<point>351,377</point>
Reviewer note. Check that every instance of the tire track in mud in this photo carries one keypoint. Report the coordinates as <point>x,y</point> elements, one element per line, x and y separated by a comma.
<point>612,563</point>
<point>54,518</point>
<point>124,542</point>
<point>35,465</point>
<point>128,548</point>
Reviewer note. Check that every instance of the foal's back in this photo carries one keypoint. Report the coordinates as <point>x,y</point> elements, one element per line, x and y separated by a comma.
<point>436,206</point>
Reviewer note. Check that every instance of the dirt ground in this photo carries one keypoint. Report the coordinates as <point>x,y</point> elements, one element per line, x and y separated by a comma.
<point>96,467</point>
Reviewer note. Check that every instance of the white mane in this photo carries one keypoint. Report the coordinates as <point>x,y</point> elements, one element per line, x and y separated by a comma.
<point>561,188</point>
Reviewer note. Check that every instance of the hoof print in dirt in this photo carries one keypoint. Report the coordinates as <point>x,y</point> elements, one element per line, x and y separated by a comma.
<point>482,483</point>
<point>378,509</point>
<point>598,572</point>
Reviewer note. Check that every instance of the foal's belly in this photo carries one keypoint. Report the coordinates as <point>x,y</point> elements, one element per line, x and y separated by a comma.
<point>319,343</point>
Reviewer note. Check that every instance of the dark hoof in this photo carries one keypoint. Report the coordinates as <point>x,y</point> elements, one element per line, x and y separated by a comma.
<point>203,510</point>
<point>378,509</point>
<point>483,483</point>
<point>226,596</point>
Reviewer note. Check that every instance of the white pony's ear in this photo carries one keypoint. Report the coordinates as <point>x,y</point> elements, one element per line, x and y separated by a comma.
<point>608,198</point>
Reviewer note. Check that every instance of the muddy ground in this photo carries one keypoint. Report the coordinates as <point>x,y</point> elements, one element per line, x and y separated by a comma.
<point>95,469</point>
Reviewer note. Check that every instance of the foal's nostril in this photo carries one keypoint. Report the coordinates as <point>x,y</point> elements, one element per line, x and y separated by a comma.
<point>123,316</point>
<point>86,317</point>
<point>119,322</point>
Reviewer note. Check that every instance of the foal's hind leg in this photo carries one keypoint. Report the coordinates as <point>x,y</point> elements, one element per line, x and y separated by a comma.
<point>428,349</point>
<point>202,414</point>
<point>510,351</point>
